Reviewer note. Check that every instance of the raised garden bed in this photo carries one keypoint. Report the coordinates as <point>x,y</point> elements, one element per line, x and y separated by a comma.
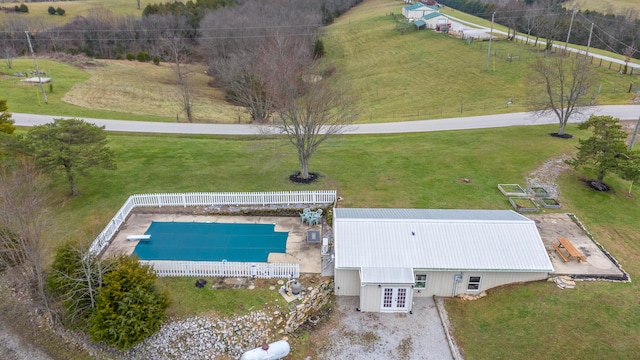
<point>550,203</point>
<point>512,190</point>
<point>523,204</point>
<point>539,191</point>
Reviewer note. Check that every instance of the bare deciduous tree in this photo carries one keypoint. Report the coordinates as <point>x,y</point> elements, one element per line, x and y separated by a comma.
<point>246,46</point>
<point>550,21</point>
<point>76,275</point>
<point>25,226</point>
<point>311,110</point>
<point>628,52</point>
<point>9,53</point>
<point>178,56</point>
<point>560,87</point>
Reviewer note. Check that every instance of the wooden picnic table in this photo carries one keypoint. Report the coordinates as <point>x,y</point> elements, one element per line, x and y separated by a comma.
<point>566,244</point>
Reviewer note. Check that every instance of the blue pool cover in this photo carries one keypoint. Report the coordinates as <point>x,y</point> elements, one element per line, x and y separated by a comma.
<point>194,241</point>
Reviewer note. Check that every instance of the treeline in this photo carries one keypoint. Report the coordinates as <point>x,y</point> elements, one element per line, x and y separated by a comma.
<point>102,34</point>
<point>549,19</point>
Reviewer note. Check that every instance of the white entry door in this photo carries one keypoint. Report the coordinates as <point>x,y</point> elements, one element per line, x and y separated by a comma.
<point>394,299</point>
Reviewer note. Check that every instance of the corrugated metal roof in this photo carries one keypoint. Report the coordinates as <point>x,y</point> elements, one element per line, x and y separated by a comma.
<point>491,240</point>
<point>433,15</point>
<point>427,214</point>
<point>419,23</point>
<point>377,275</point>
<point>415,6</point>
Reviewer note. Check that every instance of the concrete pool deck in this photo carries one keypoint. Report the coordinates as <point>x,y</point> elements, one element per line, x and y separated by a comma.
<point>298,250</point>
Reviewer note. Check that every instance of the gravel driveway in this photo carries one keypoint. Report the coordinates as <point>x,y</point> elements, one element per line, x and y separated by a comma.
<point>365,336</point>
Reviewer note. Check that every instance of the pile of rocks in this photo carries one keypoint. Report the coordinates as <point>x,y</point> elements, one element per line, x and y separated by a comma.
<point>472,297</point>
<point>310,306</point>
<point>202,338</point>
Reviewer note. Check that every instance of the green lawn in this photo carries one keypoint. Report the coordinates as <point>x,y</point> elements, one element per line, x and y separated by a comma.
<point>38,13</point>
<point>406,170</point>
<point>27,98</point>
<point>418,75</point>
<point>188,300</point>
<point>605,7</point>
<point>425,74</point>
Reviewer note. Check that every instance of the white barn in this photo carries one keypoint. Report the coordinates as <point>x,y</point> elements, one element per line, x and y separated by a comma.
<point>416,11</point>
<point>388,256</point>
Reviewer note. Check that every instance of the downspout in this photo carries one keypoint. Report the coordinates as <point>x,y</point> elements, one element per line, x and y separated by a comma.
<point>456,278</point>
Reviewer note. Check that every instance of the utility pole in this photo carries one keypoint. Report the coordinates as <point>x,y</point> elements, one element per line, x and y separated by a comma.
<point>490,38</point>
<point>569,32</point>
<point>635,133</point>
<point>44,95</point>
<point>586,55</point>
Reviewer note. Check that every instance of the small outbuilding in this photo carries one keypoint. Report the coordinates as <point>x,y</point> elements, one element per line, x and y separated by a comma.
<point>435,21</point>
<point>388,256</point>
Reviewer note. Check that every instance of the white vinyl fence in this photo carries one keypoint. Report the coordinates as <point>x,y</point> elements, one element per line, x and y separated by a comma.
<point>321,197</point>
<point>164,268</point>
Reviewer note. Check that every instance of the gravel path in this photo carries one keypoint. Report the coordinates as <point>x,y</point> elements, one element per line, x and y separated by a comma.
<point>365,336</point>
<point>12,347</point>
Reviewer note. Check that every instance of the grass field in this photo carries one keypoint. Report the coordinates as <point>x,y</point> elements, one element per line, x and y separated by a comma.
<point>605,7</point>
<point>393,76</point>
<point>114,90</point>
<point>409,170</point>
<point>419,75</point>
<point>426,75</point>
<point>38,13</point>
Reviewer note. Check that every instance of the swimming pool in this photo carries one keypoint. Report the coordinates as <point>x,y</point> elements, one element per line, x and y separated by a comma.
<point>195,241</point>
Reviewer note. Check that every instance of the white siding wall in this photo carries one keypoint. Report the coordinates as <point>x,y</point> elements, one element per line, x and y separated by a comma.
<point>440,283</point>
<point>347,282</point>
<point>431,23</point>
<point>417,14</point>
<point>370,298</point>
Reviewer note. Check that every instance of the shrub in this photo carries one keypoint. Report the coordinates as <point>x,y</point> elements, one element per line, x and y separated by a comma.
<point>60,11</point>
<point>318,49</point>
<point>51,10</point>
<point>24,8</point>
<point>6,123</point>
<point>129,307</point>
<point>143,56</point>
<point>156,60</point>
<point>130,57</point>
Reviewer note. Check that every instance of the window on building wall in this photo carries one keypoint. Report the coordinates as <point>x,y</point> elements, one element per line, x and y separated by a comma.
<point>421,281</point>
<point>474,283</point>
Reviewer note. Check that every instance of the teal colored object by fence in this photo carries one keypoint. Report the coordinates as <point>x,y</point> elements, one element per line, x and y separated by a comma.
<point>193,241</point>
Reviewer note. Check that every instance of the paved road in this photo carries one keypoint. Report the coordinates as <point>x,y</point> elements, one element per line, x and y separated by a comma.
<point>462,24</point>
<point>623,112</point>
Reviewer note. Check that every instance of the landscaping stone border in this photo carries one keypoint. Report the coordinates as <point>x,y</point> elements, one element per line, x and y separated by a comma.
<point>543,202</point>
<point>539,192</point>
<point>520,193</point>
<point>535,208</point>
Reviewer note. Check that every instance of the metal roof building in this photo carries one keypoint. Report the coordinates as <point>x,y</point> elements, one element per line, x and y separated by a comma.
<point>440,250</point>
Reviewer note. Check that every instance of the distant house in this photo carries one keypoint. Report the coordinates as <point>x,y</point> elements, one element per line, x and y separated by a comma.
<point>416,11</point>
<point>388,256</point>
<point>435,20</point>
